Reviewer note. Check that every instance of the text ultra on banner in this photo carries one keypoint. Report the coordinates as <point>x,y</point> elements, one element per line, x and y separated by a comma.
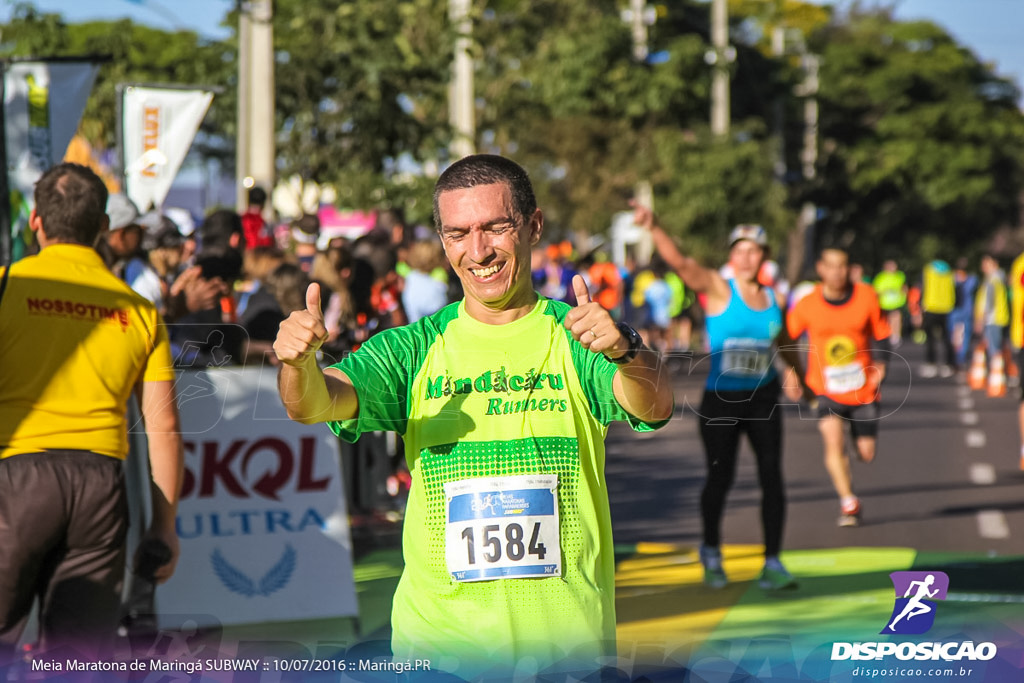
<point>262,519</point>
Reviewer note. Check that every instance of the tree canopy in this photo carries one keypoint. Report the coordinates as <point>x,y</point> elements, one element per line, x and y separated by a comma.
<point>920,143</point>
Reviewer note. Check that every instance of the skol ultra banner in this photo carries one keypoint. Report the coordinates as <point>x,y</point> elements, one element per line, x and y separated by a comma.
<point>158,126</point>
<point>43,103</point>
<point>262,521</point>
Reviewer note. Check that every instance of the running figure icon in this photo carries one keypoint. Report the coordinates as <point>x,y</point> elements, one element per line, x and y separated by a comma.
<point>915,606</point>
<point>486,504</point>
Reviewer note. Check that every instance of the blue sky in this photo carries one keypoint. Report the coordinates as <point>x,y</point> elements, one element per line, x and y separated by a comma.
<point>989,27</point>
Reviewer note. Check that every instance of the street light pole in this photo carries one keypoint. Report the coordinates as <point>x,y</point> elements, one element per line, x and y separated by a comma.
<point>808,156</point>
<point>242,125</point>
<point>460,92</point>
<point>262,148</point>
<point>255,146</point>
<point>724,54</point>
<point>802,235</point>
<point>639,16</point>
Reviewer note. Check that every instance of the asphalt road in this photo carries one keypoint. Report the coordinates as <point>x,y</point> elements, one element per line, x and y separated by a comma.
<point>946,477</point>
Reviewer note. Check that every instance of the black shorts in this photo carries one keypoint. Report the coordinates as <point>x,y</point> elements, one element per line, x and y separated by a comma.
<point>863,417</point>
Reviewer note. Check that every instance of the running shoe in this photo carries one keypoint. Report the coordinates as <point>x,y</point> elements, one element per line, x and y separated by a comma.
<point>929,370</point>
<point>774,578</point>
<point>849,513</point>
<point>714,574</point>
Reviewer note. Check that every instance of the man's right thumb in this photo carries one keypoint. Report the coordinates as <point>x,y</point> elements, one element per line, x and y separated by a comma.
<point>313,301</point>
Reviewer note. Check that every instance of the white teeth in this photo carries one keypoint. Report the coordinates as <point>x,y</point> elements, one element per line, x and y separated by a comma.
<point>486,272</point>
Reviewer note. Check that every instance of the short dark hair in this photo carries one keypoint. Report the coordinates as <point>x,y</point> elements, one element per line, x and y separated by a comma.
<point>216,231</point>
<point>834,247</point>
<point>71,202</point>
<point>257,196</point>
<point>487,169</point>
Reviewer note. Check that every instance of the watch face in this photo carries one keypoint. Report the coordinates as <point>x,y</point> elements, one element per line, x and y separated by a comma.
<point>635,344</point>
<point>634,339</point>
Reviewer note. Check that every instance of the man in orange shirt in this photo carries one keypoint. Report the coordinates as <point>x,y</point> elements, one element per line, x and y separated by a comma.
<point>841,319</point>
<point>606,284</point>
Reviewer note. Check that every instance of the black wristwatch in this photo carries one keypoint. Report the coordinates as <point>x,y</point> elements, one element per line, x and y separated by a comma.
<point>635,344</point>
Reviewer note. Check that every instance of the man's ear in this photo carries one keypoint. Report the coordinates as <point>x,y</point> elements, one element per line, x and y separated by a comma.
<point>536,226</point>
<point>35,223</point>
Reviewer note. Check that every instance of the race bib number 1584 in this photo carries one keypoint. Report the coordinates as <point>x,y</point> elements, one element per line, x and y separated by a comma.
<point>503,527</point>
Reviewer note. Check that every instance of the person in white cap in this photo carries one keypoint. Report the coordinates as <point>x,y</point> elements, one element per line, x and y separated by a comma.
<point>124,243</point>
<point>745,331</point>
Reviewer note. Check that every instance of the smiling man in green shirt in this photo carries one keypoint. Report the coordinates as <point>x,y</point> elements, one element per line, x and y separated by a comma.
<point>503,401</point>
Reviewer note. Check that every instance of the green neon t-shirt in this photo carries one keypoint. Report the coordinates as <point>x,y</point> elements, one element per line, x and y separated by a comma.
<point>476,403</point>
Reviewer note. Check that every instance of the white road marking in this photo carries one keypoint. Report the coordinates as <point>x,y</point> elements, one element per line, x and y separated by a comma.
<point>963,391</point>
<point>992,524</point>
<point>983,474</point>
<point>969,418</point>
<point>975,438</point>
<point>966,403</point>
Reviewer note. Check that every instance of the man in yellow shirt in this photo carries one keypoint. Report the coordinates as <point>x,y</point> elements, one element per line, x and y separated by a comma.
<point>938,299</point>
<point>75,342</point>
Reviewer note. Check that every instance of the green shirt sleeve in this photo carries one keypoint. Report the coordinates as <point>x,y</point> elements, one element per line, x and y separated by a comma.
<point>596,373</point>
<point>381,371</point>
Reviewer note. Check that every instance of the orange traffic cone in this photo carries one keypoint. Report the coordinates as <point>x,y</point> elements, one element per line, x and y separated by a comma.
<point>976,377</point>
<point>997,377</point>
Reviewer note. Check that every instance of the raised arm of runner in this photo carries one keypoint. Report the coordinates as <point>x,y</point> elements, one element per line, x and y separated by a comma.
<point>310,394</point>
<point>693,274</point>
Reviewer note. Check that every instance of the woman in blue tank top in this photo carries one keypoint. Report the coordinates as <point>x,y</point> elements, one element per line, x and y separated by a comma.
<point>745,328</point>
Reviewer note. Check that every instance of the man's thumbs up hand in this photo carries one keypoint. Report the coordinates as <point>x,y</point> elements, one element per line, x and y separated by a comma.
<point>591,325</point>
<point>313,301</point>
<point>579,286</point>
<point>303,332</point>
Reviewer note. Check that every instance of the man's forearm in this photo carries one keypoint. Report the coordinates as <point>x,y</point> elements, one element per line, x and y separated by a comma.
<point>791,356</point>
<point>645,390</point>
<point>166,458</point>
<point>309,395</point>
<point>167,465</point>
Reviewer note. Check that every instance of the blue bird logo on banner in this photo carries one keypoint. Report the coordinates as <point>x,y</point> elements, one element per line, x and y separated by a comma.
<point>237,581</point>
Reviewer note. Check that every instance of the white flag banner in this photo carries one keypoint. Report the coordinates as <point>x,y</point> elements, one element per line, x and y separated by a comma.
<point>158,125</point>
<point>43,103</point>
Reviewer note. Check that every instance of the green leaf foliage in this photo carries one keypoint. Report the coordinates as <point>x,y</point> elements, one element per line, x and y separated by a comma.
<point>361,84</point>
<point>132,54</point>
<point>922,143</point>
